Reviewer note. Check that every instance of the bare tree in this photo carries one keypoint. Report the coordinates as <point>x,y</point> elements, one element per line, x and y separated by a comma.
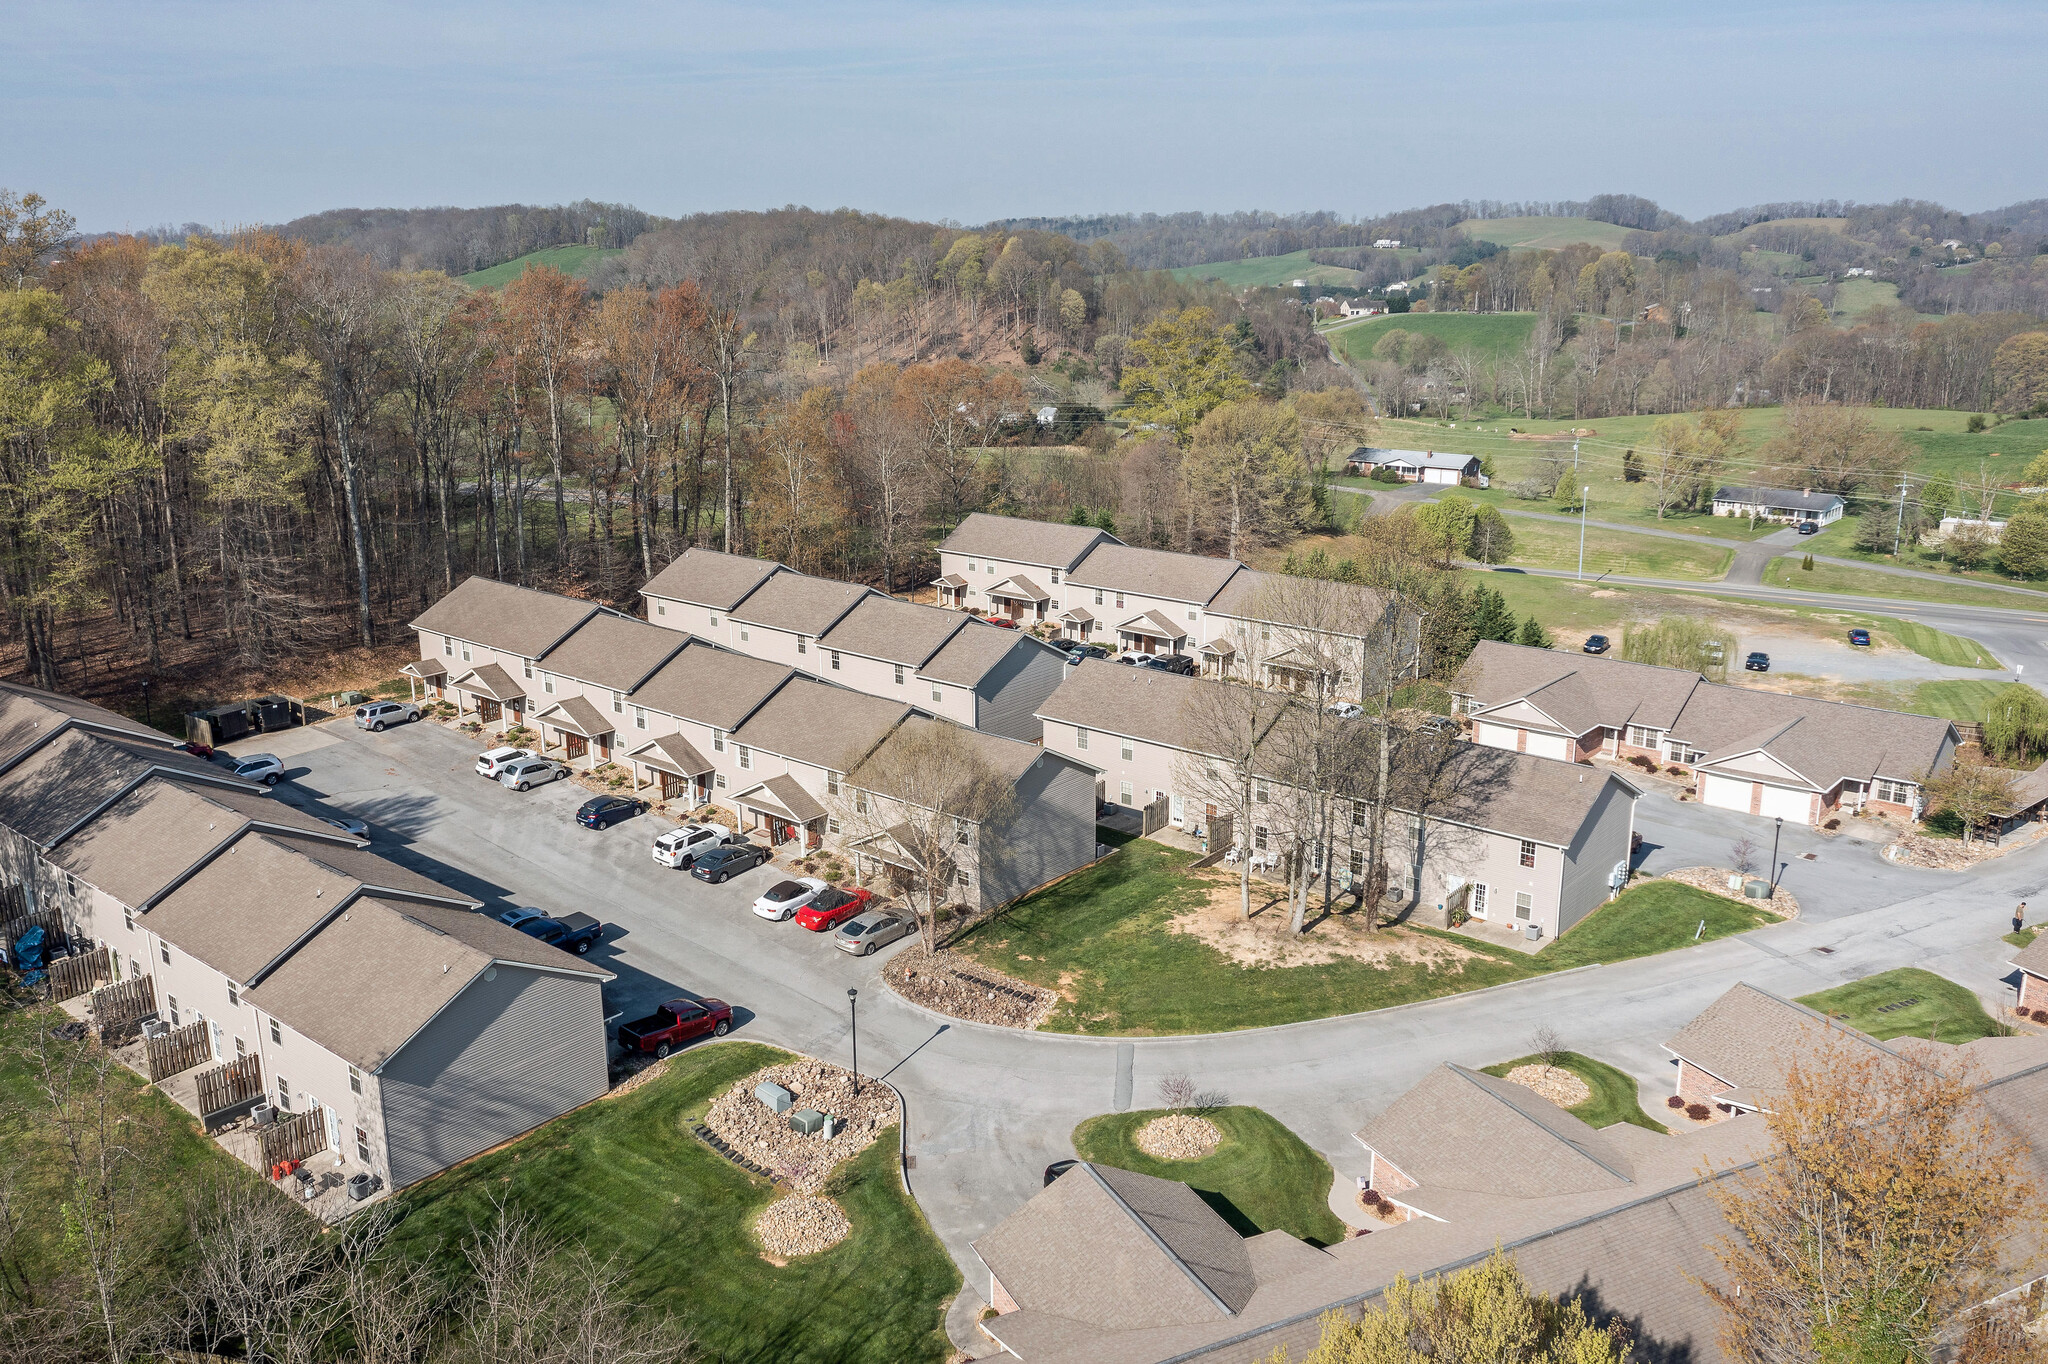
<point>1176,1090</point>
<point>1742,855</point>
<point>258,1279</point>
<point>1547,1046</point>
<point>1224,770</point>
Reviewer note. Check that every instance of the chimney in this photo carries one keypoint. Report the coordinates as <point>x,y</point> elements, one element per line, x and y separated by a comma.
<point>1806,492</point>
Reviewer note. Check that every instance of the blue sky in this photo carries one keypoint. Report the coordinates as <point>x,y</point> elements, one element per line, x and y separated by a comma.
<point>131,115</point>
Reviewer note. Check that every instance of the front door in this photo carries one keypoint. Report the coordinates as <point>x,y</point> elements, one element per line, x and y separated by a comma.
<point>671,785</point>
<point>575,744</point>
<point>487,710</point>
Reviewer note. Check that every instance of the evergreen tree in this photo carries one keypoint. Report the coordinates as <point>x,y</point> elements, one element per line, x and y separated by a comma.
<point>1533,635</point>
<point>1490,616</point>
<point>1079,518</point>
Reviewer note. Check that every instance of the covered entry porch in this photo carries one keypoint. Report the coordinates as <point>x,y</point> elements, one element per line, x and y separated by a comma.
<point>784,810</point>
<point>1076,623</point>
<point>673,765</point>
<point>578,730</point>
<point>1151,633</point>
<point>491,694</point>
<point>1020,599</point>
<point>425,678</point>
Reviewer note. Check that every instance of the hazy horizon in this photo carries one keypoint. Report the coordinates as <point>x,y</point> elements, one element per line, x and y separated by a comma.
<point>132,116</point>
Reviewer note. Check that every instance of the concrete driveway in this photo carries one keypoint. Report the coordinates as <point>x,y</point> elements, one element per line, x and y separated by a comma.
<point>988,1108</point>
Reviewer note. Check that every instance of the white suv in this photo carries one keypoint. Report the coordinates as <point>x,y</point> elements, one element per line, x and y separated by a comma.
<point>681,847</point>
<point>378,714</point>
<point>498,759</point>
<point>263,767</point>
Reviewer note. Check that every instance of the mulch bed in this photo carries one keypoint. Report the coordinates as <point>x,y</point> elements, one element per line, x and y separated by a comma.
<point>1939,854</point>
<point>947,983</point>
<point>1714,880</point>
<point>1179,1136</point>
<point>757,1136</point>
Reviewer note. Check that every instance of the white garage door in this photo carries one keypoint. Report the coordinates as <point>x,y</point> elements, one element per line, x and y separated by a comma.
<point>1494,736</point>
<point>1725,793</point>
<point>1548,745</point>
<point>1785,803</point>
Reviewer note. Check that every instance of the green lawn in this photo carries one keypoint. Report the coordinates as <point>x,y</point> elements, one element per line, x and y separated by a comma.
<point>1493,335</point>
<point>1839,541</point>
<point>570,260</point>
<point>1908,1002</point>
<point>1262,1177</point>
<point>1102,938</point>
<point>2024,938</point>
<point>1272,271</point>
<point>626,1175</point>
<point>1836,578</point>
<point>1962,701</point>
<point>1545,233</point>
<point>1552,544</point>
<point>1613,1098</point>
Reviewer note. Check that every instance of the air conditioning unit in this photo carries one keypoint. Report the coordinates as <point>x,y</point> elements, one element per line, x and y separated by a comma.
<point>263,1114</point>
<point>155,1027</point>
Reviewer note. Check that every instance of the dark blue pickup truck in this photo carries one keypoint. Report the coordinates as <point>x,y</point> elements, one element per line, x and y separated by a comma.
<point>576,933</point>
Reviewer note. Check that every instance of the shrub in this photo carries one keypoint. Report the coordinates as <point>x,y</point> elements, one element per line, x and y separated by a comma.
<point>1674,1102</point>
<point>1371,1197</point>
<point>1698,1112</point>
<point>2040,1015</point>
<point>1673,771</point>
<point>1647,764</point>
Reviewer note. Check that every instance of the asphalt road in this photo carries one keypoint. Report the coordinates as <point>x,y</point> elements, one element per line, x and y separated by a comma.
<point>988,1108</point>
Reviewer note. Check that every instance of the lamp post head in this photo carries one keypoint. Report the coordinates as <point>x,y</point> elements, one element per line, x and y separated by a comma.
<point>851,992</point>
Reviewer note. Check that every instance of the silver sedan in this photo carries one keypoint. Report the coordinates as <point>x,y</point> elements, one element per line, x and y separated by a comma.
<point>875,928</point>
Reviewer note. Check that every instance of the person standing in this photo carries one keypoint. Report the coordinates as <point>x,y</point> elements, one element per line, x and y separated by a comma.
<point>2019,918</point>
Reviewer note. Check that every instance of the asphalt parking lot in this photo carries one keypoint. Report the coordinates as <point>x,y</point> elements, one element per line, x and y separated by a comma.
<point>667,934</point>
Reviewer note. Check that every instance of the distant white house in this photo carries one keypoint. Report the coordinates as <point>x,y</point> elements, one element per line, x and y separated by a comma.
<point>1952,244</point>
<point>1857,272</point>
<point>1951,524</point>
<point>1298,284</point>
<point>1398,286</point>
<point>1359,307</point>
<point>1387,244</point>
<point>1047,415</point>
<point>1779,504</point>
<point>1417,466</point>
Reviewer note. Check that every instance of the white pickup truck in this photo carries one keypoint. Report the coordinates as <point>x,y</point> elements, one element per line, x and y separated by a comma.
<point>679,848</point>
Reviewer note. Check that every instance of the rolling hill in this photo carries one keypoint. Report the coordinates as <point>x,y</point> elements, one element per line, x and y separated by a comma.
<point>570,260</point>
<point>1545,233</point>
<point>1491,334</point>
<point>1268,270</point>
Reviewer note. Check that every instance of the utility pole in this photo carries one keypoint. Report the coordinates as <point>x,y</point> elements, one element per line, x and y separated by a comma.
<point>1585,496</point>
<point>1900,528</point>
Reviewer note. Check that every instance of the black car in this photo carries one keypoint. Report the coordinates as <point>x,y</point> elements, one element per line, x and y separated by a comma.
<point>1595,644</point>
<point>576,933</point>
<point>1058,1168</point>
<point>721,864</point>
<point>1081,653</point>
<point>1757,663</point>
<point>1809,527</point>
<point>1172,663</point>
<point>601,812</point>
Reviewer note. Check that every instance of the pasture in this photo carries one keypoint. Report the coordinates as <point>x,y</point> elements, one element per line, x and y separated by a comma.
<point>570,260</point>
<point>1544,233</point>
<point>1494,335</point>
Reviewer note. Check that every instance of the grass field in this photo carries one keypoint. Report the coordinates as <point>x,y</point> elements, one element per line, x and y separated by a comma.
<point>1544,233</point>
<point>1836,578</point>
<point>1261,1178</point>
<point>1493,335</point>
<point>1104,938</point>
<point>570,260</point>
<point>1611,500</point>
<point>626,1174</point>
<point>1269,271</point>
<point>1614,1093</point>
<point>1839,541</point>
<point>1552,544</point>
<point>2024,938</point>
<point>1908,1002</point>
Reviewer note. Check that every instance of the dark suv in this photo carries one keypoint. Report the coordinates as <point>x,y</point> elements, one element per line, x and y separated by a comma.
<point>601,812</point>
<point>1172,663</point>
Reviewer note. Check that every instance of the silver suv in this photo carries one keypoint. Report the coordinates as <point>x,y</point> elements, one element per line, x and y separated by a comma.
<point>531,772</point>
<point>378,714</point>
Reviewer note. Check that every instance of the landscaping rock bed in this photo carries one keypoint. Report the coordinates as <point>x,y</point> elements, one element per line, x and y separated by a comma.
<point>952,985</point>
<point>1938,854</point>
<point>764,1137</point>
<point>1714,880</point>
<point>1179,1136</point>
<point>799,1225</point>
<point>1554,1083</point>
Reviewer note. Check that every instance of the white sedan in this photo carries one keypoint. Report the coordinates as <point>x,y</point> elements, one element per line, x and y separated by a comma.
<point>785,898</point>
<point>494,763</point>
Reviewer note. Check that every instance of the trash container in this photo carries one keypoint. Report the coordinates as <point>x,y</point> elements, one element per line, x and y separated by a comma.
<point>806,1122</point>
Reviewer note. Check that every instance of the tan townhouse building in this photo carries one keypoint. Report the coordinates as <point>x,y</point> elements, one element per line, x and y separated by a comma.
<point>1007,566</point>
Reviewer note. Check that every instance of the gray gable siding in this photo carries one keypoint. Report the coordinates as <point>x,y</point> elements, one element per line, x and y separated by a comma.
<point>1051,833</point>
<point>1007,699</point>
<point>1602,841</point>
<point>507,1055</point>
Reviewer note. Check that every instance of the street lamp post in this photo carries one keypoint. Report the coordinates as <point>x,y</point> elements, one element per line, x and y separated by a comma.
<point>148,716</point>
<point>1775,835</point>
<point>1584,493</point>
<point>853,1015</point>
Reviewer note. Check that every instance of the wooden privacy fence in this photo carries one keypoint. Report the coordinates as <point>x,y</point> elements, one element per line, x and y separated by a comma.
<point>227,1086</point>
<point>118,1009</point>
<point>179,1049</point>
<point>17,918</point>
<point>293,1138</point>
<point>72,976</point>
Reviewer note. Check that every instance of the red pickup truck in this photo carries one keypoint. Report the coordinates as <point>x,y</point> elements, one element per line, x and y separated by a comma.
<point>675,1023</point>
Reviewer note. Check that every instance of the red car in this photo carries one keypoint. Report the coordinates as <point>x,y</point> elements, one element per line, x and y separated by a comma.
<point>1001,622</point>
<point>675,1023</point>
<point>833,907</point>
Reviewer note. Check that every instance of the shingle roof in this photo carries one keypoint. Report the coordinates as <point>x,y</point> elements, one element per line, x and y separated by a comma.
<point>1750,1038</point>
<point>799,603</point>
<point>1011,758</point>
<point>1155,573</point>
<point>1144,703</point>
<point>707,577</point>
<point>516,620</point>
<point>822,725</point>
<point>1421,459</point>
<point>1020,588</point>
<point>578,716</point>
<point>612,651</point>
<point>1283,599</point>
<point>1781,498</point>
<point>29,713</point>
<point>1433,1132</point>
<point>1578,689</point>
<point>673,753</point>
<point>894,631</point>
<point>786,794</point>
<point>712,686</point>
<point>51,790</point>
<point>970,654</point>
<point>1046,543</point>
<point>1153,624</point>
<point>490,680</point>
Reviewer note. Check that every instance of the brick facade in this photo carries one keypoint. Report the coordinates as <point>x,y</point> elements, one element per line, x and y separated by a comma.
<point>2033,991</point>
<point>1694,1083</point>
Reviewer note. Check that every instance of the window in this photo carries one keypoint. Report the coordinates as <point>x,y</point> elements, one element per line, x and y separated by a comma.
<point>718,782</point>
<point>465,653</point>
<point>899,674</point>
<point>833,655</point>
<point>714,620</point>
<point>963,832</point>
<point>172,1000</point>
<point>743,634</point>
<point>1361,814</point>
<point>448,646</point>
<point>803,644</point>
<point>937,695</point>
<point>1098,596</point>
<point>241,1047</point>
<point>970,565</point>
<point>746,758</point>
<point>355,1080</point>
<point>547,683</point>
<point>526,666</point>
<point>1357,863</point>
<point>618,703</point>
<point>718,741</point>
<point>1262,792</point>
<point>1125,750</point>
<point>1123,793</point>
<point>1119,599</point>
<point>639,717</point>
<point>164,951</point>
<point>1265,633</point>
<point>362,1146</point>
<point>128,918</point>
<point>1525,904</point>
<point>990,569</point>
<point>284,1093</point>
<point>1080,740</point>
<point>1892,792</point>
<point>1478,901</point>
<point>1528,853</point>
<point>1193,613</point>
<point>961,878</point>
<point>1055,577</point>
<point>860,802</point>
<point>831,783</point>
<point>1258,838</point>
<point>831,825</point>
<point>659,610</point>
<point>71,885</point>
<point>234,997</point>
<point>276,1037</point>
<point>1642,737</point>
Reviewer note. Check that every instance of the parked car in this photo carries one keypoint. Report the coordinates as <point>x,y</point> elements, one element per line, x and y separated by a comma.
<point>1058,1168</point>
<point>1171,663</point>
<point>519,914</point>
<point>1595,644</point>
<point>354,828</point>
<point>1442,725</point>
<point>378,714</point>
<point>785,898</point>
<point>491,764</point>
<point>1001,622</point>
<point>1345,710</point>
<point>1860,638</point>
<point>601,812</point>
<point>1757,663</point>
<point>528,772</point>
<point>675,1023</point>
<point>874,928</point>
<point>263,767</point>
<point>1809,527</point>
<point>576,933</point>
<point>680,848</point>
<point>833,907</point>
<point>1081,653</point>
<point>1130,660</point>
<point>722,864</point>
<point>197,750</point>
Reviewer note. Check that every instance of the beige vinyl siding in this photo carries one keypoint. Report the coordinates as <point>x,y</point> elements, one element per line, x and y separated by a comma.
<point>507,1055</point>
